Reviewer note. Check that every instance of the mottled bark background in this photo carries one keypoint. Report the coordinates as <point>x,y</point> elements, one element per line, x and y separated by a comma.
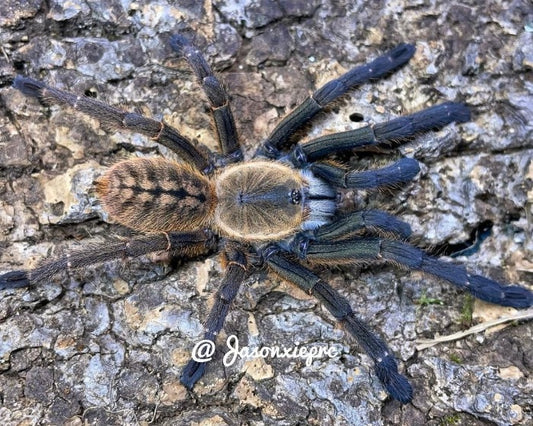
<point>106,345</point>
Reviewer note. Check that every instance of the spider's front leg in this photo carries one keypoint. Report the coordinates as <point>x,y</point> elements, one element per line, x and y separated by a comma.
<point>385,364</point>
<point>182,243</point>
<point>331,91</point>
<point>400,172</point>
<point>375,249</point>
<point>393,132</point>
<point>236,270</point>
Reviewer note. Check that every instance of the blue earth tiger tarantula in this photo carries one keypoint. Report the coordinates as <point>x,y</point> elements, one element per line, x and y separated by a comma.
<point>279,209</point>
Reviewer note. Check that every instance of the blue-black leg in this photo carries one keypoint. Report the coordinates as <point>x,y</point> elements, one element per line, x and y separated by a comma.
<point>114,118</point>
<point>331,91</point>
<point>385,364</point>
<point>402,171</point>
<point>235,273</point>
<point>395,131</point>
<point>217,96</point>
<point>181,243</point>
<point>372,249</point>
<point>373,220</point>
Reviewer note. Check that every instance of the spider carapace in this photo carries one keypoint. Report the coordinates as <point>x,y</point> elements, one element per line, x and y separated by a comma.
<point>278,210</point>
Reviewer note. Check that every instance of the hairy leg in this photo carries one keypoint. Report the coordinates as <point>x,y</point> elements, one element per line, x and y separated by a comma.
<point>371,249</point>
<point>331,91</point>
<point>380,221</point>
<point>186,243</point>
<point>402,171</point>
<point>114,118</point>
<point>236,271</point>
<point>391,132</point>
<point>217,96</point>
<point>384,362</point>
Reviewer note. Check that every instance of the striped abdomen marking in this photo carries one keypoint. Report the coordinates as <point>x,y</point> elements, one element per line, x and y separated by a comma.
<point>156,195</point>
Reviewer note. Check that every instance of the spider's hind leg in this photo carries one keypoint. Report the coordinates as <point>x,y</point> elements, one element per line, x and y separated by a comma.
<point>236,271</point>
<point>217,96</point>
<point>182,243</point>
<point>115,118</point>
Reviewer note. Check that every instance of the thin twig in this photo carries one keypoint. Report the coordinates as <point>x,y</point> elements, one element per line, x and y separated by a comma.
<point>518,316</point>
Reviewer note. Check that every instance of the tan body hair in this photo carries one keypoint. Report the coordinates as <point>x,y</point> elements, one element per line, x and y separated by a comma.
<point>157,195</point>
<point>254,201</point>
<point>246,201</point>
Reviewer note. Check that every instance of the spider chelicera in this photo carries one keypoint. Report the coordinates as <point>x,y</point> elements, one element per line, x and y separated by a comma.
<point>279,209</point>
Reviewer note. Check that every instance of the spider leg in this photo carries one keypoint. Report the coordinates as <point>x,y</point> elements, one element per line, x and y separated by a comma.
<point>364,219</point>
<point>217,96</point>
<point>114,118</point>
<point>382,134</point>
<point>402,171</point>
<point>369,249</point>
<point>331,91</point>
<point>384,362</point>
<point>235,274</point>
<point>186,243</point>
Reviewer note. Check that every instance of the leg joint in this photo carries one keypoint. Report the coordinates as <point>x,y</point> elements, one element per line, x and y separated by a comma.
<point>337,305</point>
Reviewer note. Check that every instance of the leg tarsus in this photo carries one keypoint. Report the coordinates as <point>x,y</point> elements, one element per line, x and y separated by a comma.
<point>396,384</point>
<point>192,372</point>
<point>14,279</point>
<point>378,68</point>
<point>491,291</point>
<point>481,287</point>
<point>29,86</point>
<point>433,118</point>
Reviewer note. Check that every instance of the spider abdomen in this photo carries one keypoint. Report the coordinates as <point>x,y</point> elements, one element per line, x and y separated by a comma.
<point>156,195</point>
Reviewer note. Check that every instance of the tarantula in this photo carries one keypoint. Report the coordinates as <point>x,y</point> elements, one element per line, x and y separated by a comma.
<point>279,209</point>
